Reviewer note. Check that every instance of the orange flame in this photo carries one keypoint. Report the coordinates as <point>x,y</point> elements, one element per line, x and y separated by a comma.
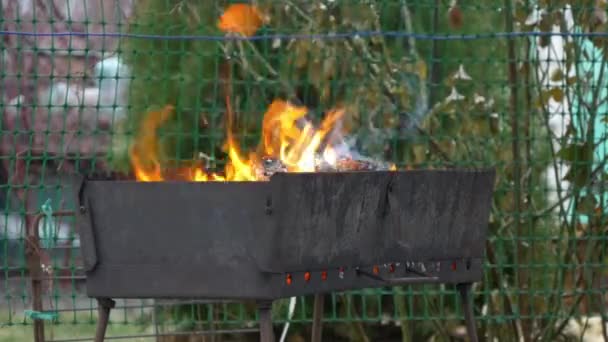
<point>298,148</point>
<point>241,18</point>
<point>144,153</point>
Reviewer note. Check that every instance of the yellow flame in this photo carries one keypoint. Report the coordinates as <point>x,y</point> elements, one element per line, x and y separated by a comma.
<point>286,136</point>
<point>282,139</point>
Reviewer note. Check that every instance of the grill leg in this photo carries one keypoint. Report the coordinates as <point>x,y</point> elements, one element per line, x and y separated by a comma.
<point>264,311</point>
<point>104,305</point>
<point>465,295</point>
<point>317,318</point>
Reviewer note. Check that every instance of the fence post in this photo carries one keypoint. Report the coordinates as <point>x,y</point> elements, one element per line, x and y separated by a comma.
<point>32,255</point>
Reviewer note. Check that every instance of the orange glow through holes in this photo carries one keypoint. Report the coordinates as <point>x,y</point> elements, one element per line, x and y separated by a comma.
<point>376,269</point>
<point>288,279</point>
<point>307,276</point>
<point>324,275</point>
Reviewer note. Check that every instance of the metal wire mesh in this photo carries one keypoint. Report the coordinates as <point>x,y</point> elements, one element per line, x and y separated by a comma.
<point>518,85</point>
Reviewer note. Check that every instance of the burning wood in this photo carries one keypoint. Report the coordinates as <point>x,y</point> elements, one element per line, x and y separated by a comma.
<point>351,164</point>
<point>269,166</point>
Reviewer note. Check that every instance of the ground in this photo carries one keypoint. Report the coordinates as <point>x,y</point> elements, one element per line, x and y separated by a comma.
<point>71,325</point>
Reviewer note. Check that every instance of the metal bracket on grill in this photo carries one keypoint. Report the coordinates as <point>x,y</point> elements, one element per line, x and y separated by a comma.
<point>421,278</point>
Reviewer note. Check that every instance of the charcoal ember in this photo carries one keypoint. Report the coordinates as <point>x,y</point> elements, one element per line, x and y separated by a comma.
<point>348,164</point>
<point>358,164</point>
<point>267,167</point>
<point>345,164</point>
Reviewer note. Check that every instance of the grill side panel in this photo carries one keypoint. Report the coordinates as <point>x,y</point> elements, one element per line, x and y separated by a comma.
<point>366,218</point>
<point>175,239</point>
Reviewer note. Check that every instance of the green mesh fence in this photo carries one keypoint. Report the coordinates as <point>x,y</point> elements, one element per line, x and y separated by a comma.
<point>518,85</point>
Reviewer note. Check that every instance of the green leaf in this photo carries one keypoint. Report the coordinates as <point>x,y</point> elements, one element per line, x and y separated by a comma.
<point>557,75</point>
<point>557,94</point>
<point>586,205</point>
<point>576,152</point>
<point>579,174</point>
